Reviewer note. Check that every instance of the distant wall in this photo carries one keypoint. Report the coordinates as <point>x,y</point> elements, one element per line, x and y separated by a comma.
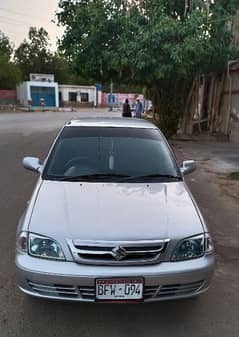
<point>23,93</point>
<point>8,97</point>
<point>119,98</point>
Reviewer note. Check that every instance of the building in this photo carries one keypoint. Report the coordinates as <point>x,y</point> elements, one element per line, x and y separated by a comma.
<point>40,90</point>
<point>78,95</point>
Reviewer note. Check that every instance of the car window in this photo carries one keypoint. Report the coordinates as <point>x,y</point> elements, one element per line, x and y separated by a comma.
<point>122,151</point>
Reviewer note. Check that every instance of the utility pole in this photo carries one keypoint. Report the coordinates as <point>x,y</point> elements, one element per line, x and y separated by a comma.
<point>111,95</point>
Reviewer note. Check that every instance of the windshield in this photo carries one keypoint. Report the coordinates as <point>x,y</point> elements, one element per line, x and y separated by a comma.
<point>103,153</point>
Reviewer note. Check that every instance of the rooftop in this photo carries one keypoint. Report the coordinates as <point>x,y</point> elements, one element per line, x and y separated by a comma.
<point>113,122</point>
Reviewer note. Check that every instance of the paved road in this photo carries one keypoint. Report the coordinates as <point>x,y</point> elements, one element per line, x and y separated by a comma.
<point>213,315</point>
<point>27,123</point>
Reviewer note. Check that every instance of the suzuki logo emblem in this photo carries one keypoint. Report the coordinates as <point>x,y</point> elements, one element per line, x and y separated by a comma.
<point>119,253</point>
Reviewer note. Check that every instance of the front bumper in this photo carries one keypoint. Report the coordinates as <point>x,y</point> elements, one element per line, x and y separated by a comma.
<point>76,282</point>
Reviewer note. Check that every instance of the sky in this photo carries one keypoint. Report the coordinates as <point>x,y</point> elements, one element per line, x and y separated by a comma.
<point>16,16</point>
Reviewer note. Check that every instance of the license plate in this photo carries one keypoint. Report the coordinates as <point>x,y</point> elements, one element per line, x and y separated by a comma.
<point>119,289</point>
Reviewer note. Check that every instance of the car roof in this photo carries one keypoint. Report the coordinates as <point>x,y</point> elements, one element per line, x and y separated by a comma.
<point>112,122</point>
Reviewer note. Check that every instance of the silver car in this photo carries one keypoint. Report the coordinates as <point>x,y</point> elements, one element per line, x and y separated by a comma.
<point>111,219</point>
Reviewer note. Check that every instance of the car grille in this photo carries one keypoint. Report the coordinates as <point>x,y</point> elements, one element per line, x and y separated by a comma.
<point>87,293</point>
<point>173,290</point>
<point>118,253</point>
<point>55,290</point>
<point>63,291</point>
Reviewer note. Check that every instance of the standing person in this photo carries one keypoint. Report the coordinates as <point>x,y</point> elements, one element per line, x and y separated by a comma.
<point>138,109</point>
<point>126,109</point>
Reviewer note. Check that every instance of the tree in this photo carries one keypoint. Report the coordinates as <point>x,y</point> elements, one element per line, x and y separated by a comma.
<point>34,56</point>
<point>10,74</point>
<point>6,48</point>
<point>160,45</point>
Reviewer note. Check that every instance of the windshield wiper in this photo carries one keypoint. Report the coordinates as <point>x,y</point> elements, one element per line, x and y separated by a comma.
<point>94,176</point>
<point>113,176</point>
<point>156,175</point>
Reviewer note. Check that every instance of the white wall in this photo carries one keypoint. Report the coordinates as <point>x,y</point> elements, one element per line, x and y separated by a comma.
<point>22,93</point>
<point>65,90</point>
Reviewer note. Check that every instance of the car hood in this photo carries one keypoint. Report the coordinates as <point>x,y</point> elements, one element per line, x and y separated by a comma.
<point>114,211</point>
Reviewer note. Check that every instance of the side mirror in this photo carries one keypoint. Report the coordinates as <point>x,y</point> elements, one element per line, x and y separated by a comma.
<point>32,164</point>
<point>188,166</point>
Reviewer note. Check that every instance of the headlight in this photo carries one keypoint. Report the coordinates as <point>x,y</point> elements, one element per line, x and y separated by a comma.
<point>43,247</point>
<point>194,247</point>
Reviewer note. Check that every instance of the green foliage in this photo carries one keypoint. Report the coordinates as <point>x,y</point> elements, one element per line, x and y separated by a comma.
<point>10,74</point>
<point>6,48</point>
<point>228,7</point>
<point>157,44</point>
<point>34,56</point>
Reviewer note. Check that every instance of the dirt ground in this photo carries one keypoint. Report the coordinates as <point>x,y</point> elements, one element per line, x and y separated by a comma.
<point>218,198</point>
<point>218,159</point>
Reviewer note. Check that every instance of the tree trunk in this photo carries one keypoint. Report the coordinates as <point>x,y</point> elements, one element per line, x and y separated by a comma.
<point>186,124</point>
<point>167,111</point>
<point>220,88</point>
